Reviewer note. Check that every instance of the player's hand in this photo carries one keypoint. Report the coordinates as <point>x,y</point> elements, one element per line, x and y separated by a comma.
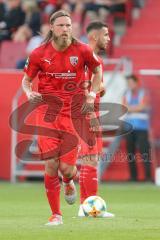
<point>94,122</point>
<point>34,97</point>
<point>88,106</point>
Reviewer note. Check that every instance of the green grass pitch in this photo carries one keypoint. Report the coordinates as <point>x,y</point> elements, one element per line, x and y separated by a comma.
<point>24,210</point>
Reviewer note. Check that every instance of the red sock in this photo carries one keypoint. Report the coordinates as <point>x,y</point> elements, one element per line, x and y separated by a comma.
<point>83,194</point>
<point>52,186</point>
<point>90,180</point>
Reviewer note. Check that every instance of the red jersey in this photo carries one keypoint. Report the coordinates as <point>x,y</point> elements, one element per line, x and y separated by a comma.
<point>61,73</point>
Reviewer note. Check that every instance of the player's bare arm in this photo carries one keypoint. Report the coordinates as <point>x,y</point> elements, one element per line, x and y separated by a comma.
<point>97,79</point>
<point>102,90</point>
<point>88,106</point>
<point>27,88</point>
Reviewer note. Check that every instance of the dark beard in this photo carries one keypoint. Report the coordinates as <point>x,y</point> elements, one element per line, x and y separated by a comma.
<point>101,48</point>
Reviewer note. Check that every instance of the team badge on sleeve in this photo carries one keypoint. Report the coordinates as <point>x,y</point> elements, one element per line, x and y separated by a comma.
<point>74,60</point>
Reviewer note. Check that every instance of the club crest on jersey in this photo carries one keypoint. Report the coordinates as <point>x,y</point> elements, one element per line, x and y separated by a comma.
<point>74,60</point>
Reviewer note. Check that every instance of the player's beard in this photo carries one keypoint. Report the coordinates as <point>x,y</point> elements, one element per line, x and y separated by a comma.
<point>102,46</point>
<point>62,42</point>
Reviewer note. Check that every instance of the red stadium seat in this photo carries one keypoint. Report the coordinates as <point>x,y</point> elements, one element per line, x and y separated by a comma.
<point>10,53</point>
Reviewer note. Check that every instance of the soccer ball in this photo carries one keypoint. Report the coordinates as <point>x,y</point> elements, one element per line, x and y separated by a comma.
<point>94,206</point>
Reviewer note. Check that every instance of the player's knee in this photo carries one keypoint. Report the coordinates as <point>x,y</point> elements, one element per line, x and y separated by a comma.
<point>67,171</point>
<point>51,171</point>
<point>68,174</point>
<point>51,167</point>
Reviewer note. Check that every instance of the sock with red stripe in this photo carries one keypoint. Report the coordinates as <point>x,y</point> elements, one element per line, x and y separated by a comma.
<point>83,194</point>
<point>52,185</point>
<point>90,180</point>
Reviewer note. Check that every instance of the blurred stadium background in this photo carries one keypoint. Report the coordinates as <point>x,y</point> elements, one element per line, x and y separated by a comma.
<point>134,48</point>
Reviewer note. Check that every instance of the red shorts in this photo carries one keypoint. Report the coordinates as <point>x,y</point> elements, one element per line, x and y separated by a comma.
<point>90,143</point>
<point>65,138</point>
<point>57,138</point>
<point>86,149</point>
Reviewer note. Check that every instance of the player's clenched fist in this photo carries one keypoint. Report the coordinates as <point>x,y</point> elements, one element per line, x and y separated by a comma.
<point>88,106</point>
<point>94,122</point>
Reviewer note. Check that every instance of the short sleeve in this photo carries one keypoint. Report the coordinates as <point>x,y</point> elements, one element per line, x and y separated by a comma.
<point>91,60</point>
<point>32,65</point>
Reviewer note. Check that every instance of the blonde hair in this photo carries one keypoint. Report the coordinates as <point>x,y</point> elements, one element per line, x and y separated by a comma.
<point>53,17</point>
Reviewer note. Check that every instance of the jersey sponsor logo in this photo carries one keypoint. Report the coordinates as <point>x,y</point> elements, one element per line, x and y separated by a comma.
<point>67,75</point>
<point>74,60</point>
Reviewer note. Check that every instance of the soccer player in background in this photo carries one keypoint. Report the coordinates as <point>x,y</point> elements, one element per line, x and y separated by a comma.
<point>60,64</point>
<point>98,37</point>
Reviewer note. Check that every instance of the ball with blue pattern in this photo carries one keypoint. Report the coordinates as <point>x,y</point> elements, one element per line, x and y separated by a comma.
<point>94,206</point>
